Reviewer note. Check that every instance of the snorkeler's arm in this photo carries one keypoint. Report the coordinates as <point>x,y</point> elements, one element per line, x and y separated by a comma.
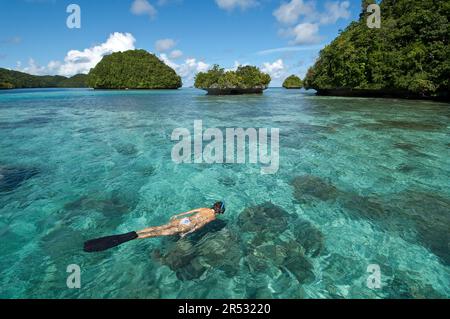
<point>184,214</point>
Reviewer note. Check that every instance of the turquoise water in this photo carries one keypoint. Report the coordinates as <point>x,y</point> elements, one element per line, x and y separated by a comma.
<point>361,181</point>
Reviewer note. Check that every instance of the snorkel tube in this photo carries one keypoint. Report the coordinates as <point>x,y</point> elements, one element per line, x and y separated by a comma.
<point>219,207</point>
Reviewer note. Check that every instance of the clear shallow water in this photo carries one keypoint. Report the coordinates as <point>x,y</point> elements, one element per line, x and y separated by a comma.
<point>361,181</point>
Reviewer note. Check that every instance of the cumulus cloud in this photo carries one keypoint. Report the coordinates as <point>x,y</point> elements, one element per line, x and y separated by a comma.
<point>77,62</point>
<point>143,7</point>
<point>188,69</point>
<point>233,4</point>
<point>176,54</point>
<point>306,31</point>
<point>236,65</point>
<point>276,69</point>
<point>32,67</point>
<point>335,11</point>
<point>164,45</point>
<point>289,12</point>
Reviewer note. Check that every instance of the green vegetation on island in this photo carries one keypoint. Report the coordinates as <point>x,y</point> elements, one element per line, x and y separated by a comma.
<point>409,56</point>
<point>245,80</point>
<point>293,82</point>
<point>134,69</point>
<point>18,80</point>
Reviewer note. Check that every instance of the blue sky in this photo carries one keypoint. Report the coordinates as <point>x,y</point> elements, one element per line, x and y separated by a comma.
<point>282,37</point>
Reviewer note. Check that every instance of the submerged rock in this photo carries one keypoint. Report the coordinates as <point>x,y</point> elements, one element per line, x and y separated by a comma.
<point>405,146</point>
<point>221,250</point>
<point>426,214</point>
<point>127,149</point>
<point>365,207</point>
<point>148,171</point>
<point>300,267</point>
<point>114,206</point>
<point>406,169</point>
<point>193,270</point>
<point>431,216</point>
<point>257,244</point>
<point>264,218</point>
<point>266,248</point>
<point>179,255</point>
<point>189,258</point>
<point>227,181</point>
<point>12,177</point>
<point>211,228</point>
<point>402,286</point>
<point>311,239</point>
<point>411,149</point>
<point>61,243</point>
<point>308,186</point>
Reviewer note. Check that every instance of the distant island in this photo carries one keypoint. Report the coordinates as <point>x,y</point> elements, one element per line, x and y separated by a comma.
<point>293,82</point>
<point>18,80</point>
<point>245,80</point>
<point>134,69</point>
<point>408,57</point>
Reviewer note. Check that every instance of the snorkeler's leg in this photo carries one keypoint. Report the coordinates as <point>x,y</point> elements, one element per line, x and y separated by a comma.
<point>152,229</point>
<point>165,230</point>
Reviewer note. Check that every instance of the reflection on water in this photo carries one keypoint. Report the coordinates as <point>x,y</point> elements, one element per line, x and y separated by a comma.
<point>361,181</point>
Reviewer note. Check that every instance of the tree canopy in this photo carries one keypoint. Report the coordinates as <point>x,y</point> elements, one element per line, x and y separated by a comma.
<point>18,80</point>
<point>410,53</point>
<point>245,77</point>
<point>134,69</point>
<point>293,82</point>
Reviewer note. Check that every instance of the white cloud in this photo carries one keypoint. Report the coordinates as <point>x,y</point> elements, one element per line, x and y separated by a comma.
<point>32,68</point>
<point>290,49</point>
<point>164,45</point>
<point>289,12</point>
<point>176,54</point>
<point>77,62</point>
<point>305,33</point>
<point>143,7</point>
<point>188,69</point>
<point>232,4</point>
<point>236,65</point>
<point>335,11</point>
<point>276,69</point>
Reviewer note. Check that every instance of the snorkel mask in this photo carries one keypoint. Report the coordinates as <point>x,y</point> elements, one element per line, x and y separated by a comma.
<point>219,207</point>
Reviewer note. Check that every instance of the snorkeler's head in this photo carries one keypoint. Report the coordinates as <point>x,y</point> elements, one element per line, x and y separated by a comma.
<point>219,207</point>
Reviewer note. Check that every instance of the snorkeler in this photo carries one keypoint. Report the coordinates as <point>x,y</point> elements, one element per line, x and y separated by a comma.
<point>181,224</point>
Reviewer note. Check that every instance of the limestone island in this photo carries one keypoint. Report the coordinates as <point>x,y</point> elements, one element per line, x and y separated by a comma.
<point>407,57</point>
<point>245,80</point>
<point>133,70</point>
<point>10,79</point>
<point>293,82</point>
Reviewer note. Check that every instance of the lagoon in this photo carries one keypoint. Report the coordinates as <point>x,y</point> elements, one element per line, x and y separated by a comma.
<point>360,182</point>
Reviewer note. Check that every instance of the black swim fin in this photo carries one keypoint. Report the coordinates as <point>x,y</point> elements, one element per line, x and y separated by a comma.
<point>105,243</point>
